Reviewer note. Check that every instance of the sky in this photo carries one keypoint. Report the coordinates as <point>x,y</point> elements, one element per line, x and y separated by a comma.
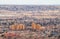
<point>29,2</point>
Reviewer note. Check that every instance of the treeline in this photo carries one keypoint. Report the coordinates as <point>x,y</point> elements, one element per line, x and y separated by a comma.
<point>33,26</point>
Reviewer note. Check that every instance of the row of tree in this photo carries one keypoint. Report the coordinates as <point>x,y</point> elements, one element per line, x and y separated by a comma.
<point>37,26</point>
<point>17,27</point>
<point>34,26</point>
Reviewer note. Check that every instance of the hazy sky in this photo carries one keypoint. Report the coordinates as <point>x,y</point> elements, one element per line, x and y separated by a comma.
<point>31,2</point>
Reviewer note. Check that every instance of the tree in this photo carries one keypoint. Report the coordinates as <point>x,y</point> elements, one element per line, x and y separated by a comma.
<point>12,27</point>
<point>33,25</point>
<point>38,27</point>
<point>17,27</point>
